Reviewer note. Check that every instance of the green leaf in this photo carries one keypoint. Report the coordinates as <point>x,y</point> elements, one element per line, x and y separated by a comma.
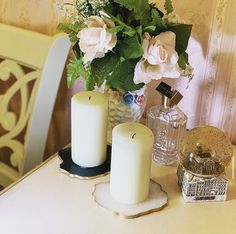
<point>155,9</point>
<point>139,31</point>
<point>122,59</point>
<point>140,7</point>
<point>90,83</point>
<point>156,20</point>
<point>183,60</point>
<point>150,28</point>
<point>71,29</point>
<point>122,77</point>
<point>182,32</point>
<point>75,69</point>
<point>127,30</point>
<point>76,50</point>
<point>102,67</point>
<point>156,17</point>
<point>168,6</point>
<point>131,48</point>
<point>73,37</point>
<point>115,29</point>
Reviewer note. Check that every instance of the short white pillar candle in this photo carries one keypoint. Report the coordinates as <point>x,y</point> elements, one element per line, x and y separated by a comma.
<point>89,111</point>
<point>132,145</point>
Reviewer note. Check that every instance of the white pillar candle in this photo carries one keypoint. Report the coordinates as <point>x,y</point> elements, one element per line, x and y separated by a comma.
<point>89,112</point>
<point>132,145</point>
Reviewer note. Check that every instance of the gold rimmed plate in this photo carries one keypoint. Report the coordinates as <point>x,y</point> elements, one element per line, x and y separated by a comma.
<point>156,201</point>
<point>72,169</point>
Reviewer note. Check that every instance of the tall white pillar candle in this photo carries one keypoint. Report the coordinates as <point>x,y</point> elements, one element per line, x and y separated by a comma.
<point>132,145</point>
<point>89,112</point>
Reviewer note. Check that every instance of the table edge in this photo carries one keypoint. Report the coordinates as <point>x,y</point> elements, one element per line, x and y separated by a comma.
<point>28,174</point>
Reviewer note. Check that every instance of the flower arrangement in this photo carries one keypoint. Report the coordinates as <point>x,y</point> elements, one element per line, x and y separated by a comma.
<point>126,43</point>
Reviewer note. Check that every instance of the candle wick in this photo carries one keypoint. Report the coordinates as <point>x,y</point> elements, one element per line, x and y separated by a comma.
<point>89,97</point>
<point>133,135</point>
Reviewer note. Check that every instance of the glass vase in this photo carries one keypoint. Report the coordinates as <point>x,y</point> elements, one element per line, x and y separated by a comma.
<point>124,107</point>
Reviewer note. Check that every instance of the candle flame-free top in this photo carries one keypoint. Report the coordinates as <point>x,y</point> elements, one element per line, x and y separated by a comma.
<point>133,135</point>
<point>90,98</point>
<point>133,131</point>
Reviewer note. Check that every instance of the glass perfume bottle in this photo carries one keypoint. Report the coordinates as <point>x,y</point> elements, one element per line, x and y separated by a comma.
<point>168,124</point>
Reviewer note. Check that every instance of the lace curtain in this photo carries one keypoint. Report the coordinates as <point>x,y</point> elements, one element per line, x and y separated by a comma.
<point>211,95</point>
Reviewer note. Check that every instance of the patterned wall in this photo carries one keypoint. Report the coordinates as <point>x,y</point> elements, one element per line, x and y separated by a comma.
<point>211,96</point>
<point>36,15</point>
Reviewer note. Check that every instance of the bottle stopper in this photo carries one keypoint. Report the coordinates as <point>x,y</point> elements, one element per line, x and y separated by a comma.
<point>170,97</point>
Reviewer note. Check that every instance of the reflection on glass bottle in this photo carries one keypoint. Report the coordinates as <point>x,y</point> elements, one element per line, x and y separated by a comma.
<point>168,124</point>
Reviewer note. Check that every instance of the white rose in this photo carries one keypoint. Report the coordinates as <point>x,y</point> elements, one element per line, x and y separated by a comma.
<point>144,72</point>
<point>94,40</point>
<point>159,58</point>
<point>160,49</point>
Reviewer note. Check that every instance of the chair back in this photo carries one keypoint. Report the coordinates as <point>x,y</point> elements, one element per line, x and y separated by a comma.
<point>31,66</point>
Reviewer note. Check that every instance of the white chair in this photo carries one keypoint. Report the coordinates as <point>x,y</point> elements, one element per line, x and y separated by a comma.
<point>34,89</point>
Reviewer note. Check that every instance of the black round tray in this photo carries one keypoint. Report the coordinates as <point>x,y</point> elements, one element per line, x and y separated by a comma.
<point>71,168</point>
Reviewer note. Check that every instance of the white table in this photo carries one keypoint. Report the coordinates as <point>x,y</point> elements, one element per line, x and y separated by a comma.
<point>47,201</point>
